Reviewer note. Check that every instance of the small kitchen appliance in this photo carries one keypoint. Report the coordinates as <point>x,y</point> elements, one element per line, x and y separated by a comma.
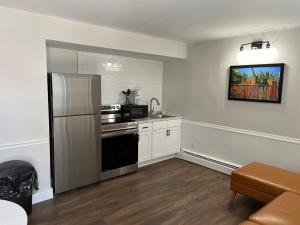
<point>135,111</point>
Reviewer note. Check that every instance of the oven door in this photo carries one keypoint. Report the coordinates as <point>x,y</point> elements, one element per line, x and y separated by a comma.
<point>119,149</point>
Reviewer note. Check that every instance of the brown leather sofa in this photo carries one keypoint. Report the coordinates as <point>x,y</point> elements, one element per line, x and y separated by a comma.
<point>278,187</point>
<point>248,223</point>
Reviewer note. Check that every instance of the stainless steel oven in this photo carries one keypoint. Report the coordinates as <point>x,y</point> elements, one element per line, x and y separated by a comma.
<point>120,149</point>
<point>119,143</point>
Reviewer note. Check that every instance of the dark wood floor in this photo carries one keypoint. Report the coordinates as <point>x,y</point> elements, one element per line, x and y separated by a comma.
<point>173,192</point>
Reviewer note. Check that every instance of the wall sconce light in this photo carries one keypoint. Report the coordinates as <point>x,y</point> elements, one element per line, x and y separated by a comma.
<point>259,52</point>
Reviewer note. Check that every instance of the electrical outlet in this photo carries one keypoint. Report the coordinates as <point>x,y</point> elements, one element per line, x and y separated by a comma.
<point>193,144</point>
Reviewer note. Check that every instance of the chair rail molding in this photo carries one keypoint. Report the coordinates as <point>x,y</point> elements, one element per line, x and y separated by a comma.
<point>24,143</point>
<point>36,152</point>
<point>243,131</point>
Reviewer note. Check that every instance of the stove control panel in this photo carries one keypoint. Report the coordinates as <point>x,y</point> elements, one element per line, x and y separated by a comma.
<point>111,108</point>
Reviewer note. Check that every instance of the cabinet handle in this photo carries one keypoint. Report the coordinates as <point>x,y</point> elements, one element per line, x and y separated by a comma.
<point>145,127</point>
<point>168,132</point>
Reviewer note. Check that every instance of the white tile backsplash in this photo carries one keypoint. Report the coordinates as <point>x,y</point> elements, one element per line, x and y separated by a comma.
<point>142,74</point>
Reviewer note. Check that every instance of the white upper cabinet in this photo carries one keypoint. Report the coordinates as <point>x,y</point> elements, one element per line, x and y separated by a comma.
<point>61,60</point>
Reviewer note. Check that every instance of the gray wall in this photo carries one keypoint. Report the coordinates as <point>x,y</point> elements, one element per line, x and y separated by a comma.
<point>205,82</point>
<point>207,79</point>
<point>173,88</point>
<point>236,132</point>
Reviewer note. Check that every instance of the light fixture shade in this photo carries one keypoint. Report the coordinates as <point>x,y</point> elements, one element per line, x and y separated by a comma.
<point>257,56</point>
<point>256,45</point>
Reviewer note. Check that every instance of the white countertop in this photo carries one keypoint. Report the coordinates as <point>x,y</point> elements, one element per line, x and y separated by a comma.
<point>149,119</point>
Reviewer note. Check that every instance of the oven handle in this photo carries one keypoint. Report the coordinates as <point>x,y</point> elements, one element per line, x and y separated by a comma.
<point>119,133</point>
<point>118,129</point>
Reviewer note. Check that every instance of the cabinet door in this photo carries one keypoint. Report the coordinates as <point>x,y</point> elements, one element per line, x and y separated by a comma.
<point>159,143</point>
<point>173,140</point>
<point>145,145</point>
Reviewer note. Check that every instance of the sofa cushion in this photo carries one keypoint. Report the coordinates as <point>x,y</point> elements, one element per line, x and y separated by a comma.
<point>266,179</point>
<point>283,210</point>
<point>248,223</point>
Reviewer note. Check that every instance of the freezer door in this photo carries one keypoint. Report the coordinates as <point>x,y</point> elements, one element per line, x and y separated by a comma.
<point>75,94</point>
<point>77,147</point>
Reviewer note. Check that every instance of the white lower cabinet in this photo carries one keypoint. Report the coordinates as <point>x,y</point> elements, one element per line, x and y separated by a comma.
<point>173,140</point>
<point>145,145</point>
<point>159,138</point>
<point>158,143</point>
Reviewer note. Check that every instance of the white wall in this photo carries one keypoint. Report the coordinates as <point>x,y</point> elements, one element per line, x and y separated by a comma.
<point>23,84</point>
<point>173,86</point>
<point>239,132</point>
<point>142,74</point>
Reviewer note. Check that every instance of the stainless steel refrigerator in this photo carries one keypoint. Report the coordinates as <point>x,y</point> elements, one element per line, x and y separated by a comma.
<point>75,130</point>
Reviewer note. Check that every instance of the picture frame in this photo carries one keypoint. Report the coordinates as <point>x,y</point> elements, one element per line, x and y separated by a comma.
<point>256,83</point>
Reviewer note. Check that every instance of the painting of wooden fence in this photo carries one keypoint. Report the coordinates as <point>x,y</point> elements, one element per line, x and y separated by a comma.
<point>256,83</point>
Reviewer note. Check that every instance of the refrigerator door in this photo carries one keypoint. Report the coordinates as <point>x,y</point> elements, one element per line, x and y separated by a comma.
<point>77,150</point>
<point>75,94</point>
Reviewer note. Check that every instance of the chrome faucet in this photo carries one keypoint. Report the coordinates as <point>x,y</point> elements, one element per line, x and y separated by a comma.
<point>152,107</point>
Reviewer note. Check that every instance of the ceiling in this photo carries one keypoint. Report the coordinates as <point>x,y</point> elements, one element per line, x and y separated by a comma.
<point>182,20</point>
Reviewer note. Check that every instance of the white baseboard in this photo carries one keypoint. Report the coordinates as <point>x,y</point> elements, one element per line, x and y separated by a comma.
<point>207,161</point>
<point>152,161</point>
<point>42,195</point>
<point>202,160</point>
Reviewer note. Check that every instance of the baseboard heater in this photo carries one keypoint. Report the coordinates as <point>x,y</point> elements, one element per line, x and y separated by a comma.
<point>220,163</point>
